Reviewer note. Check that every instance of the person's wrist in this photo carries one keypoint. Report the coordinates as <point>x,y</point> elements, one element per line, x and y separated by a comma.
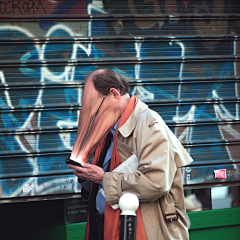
<point>102,183</point>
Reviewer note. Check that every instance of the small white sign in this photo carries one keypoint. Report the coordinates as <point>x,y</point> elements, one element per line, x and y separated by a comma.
<point>220,174</point>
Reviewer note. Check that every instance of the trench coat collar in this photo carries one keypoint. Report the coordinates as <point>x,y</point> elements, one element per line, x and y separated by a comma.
<point>127,128</point>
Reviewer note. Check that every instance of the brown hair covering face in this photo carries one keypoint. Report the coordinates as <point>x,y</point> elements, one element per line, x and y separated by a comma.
<point>99,113</point>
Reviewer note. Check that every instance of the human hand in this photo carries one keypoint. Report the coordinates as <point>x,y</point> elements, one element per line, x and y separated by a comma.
<point>89,172</point>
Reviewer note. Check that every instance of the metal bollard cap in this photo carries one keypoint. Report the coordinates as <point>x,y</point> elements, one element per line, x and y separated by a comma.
<point>128,204</point>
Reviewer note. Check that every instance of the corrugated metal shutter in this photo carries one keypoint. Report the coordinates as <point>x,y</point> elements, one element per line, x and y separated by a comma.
<point>181,57</point>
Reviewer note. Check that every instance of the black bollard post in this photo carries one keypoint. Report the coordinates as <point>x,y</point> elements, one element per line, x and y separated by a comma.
<point>128,203</point>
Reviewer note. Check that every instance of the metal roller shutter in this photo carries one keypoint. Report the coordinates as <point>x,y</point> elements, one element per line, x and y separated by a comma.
<point>180,57</point>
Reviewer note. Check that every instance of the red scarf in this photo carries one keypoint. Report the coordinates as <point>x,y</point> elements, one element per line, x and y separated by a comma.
<point>112,217</point>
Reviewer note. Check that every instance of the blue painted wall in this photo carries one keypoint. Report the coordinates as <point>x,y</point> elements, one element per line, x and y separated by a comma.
<point>180,57</point>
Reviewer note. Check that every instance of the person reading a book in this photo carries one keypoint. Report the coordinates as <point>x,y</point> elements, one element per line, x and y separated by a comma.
<point>114,126</point>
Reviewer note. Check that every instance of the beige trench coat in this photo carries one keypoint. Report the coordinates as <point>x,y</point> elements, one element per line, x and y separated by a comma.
<point>157,182</point>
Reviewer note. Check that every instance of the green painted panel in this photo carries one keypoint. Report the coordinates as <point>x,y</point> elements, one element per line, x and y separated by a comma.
<point>215,218</point>
<point>76,231</point>
<point>216,233</point>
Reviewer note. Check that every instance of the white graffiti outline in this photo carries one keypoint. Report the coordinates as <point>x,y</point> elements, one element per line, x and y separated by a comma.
<point>45,75</point>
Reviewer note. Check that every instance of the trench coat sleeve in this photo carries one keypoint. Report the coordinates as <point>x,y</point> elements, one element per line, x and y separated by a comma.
<point>156,169</point>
